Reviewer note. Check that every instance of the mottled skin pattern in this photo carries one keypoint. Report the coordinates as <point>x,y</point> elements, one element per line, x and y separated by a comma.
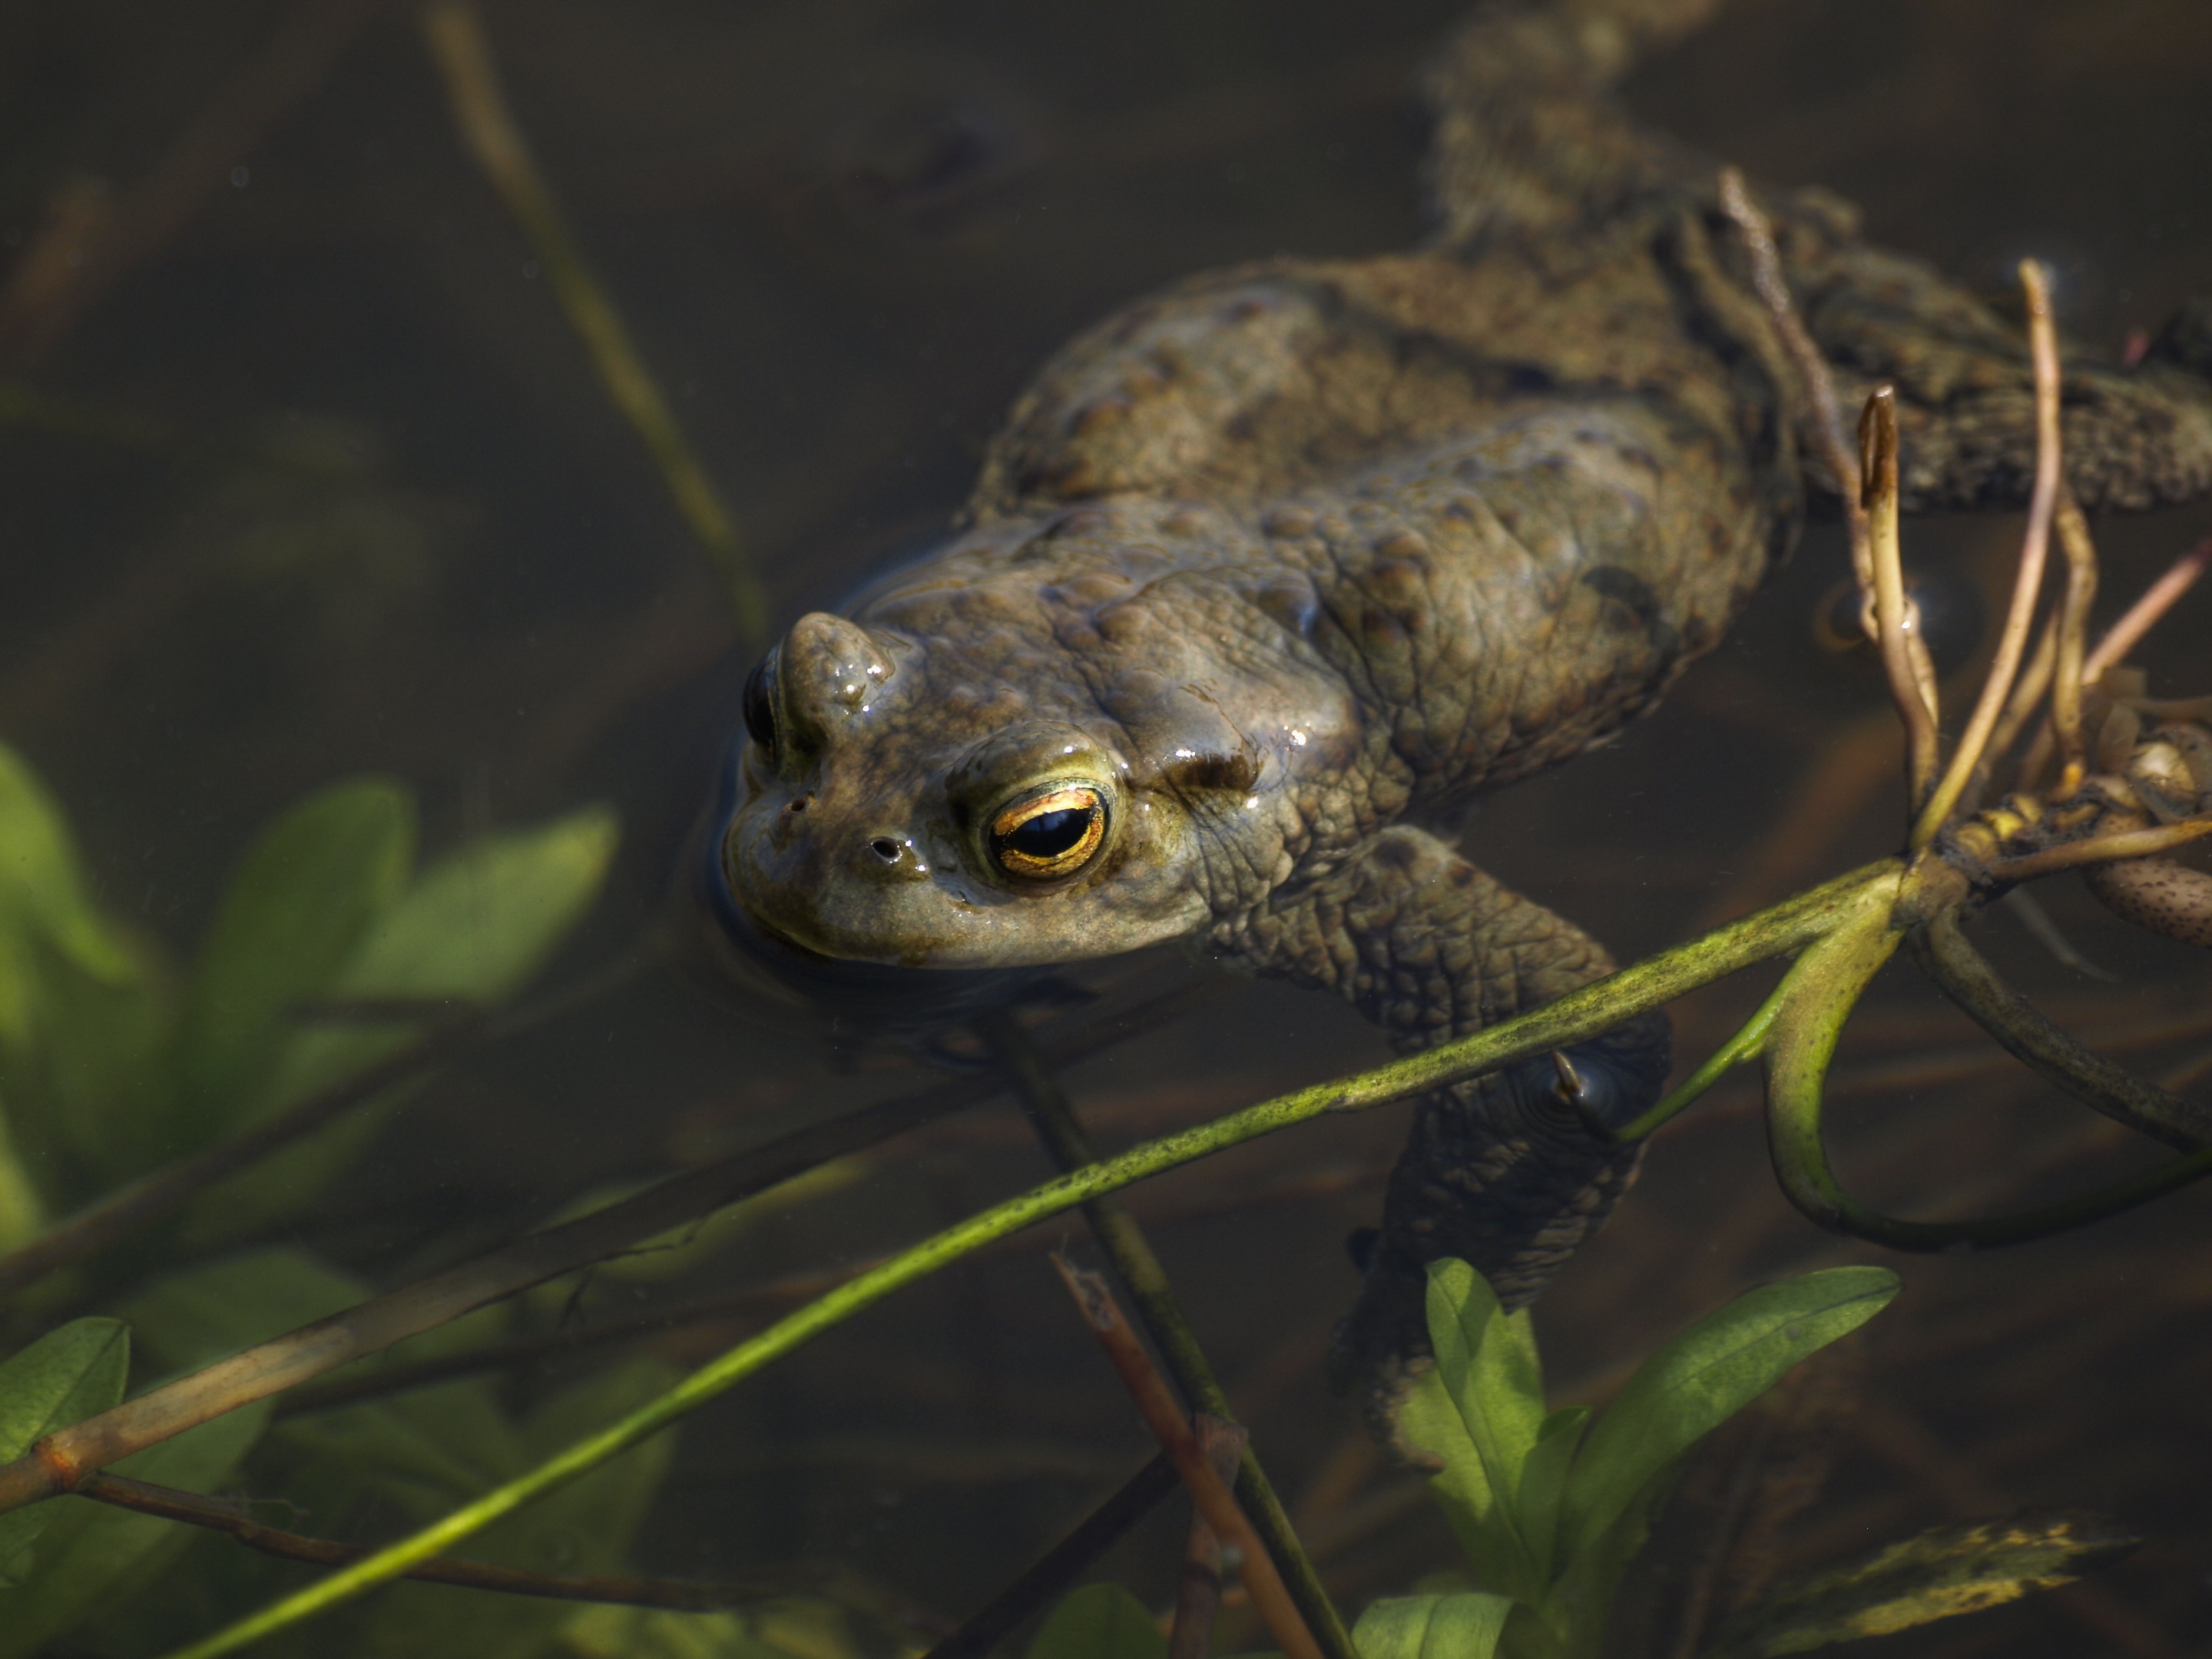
<point>1284,564</point>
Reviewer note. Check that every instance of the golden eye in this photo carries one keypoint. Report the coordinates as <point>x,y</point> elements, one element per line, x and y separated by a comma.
<point>1053,834</point>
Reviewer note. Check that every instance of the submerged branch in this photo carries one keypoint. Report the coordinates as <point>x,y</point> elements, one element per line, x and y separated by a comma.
<point>228,1517</point>
<point>1209,1493</point>
<point>1138,1267</point>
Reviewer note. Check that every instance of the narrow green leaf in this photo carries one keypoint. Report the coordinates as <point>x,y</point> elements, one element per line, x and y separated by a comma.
<point>1703,1377</point>
<point>93,1557</point>
<point>1940,1574</point>
<point>1099,1621</point>
<point>65,1376</point>
<point>1462,1626</point>
<point>1544,1483</point>
<point>293,914</point>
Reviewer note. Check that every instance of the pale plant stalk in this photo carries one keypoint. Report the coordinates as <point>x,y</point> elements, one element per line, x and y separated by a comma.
<point>2012,645</point>
<point>2143,615</point>
<point>1904,656</point>
<point>2080,551</point>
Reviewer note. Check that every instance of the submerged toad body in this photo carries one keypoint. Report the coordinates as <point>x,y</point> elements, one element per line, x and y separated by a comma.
<point>1268,575</point>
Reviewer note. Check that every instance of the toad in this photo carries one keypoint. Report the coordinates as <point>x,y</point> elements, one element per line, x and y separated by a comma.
<point>1268,576</point>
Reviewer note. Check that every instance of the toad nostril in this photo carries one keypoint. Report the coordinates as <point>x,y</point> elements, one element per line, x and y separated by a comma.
<point>799,804</point>
<point>886,848</point>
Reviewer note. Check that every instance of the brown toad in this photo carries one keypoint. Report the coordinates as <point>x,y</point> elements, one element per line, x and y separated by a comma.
<point>1267,575</point>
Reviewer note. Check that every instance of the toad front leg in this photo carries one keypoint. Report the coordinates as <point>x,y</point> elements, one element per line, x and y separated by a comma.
<point>1500,1172</point>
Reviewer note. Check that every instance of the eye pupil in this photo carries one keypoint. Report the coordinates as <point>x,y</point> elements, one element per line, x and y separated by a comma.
<point>759,704</point>
<point>1050,834</point>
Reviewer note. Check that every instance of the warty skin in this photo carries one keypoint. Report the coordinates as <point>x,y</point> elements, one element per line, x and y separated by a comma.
<point>1274,571</point>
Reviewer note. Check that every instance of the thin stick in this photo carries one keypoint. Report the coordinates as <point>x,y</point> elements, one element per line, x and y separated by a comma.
<point>627,1589</point>
<point>456,40</point>
<point>1197,1592</point>
<point>2143,615</point>
<point>1138,1267</point>
<point>1826,413</point>
<point>1059,1566</point>
<point>2027,695</point>
<point>2080,551</point>
<point>313,1350</point>
<point>1911,677</point>
<point>1156,1405</point>
<point>2042,340</point>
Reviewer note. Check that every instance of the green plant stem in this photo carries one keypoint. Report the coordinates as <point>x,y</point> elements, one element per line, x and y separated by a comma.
<point>1966,976</point>
<point>1744,1046</point>
<point>456,37</point>
<point>1138,1267</point>
<point>1818,996</point>
<point>1578,1016</point>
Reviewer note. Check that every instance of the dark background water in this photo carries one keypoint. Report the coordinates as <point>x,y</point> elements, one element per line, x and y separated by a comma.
<point>844,235</point>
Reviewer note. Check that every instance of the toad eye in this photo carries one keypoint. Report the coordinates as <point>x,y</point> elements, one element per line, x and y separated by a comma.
<point>759,704</point>
<point>1051,834</point>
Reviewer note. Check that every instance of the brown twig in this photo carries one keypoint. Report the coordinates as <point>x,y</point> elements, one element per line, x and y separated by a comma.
<point>56,1463</point>
<point>2160,597</point>
<point>2012,644</point>
<point>1058,1567</point>
<point>1138,1268</point>
<point>456,40</point>
<point>1197,1592</point>
<point>1825,413</point>
<point>1164,1418</point>
<point>226,1517</point>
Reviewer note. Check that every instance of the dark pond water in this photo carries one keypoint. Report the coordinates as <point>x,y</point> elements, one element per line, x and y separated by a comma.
<point>843,232</point>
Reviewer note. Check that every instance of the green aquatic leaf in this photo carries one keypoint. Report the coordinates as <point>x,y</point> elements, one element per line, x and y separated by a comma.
<point>65,1376</point>
<point>1942,1573</point>
<point>44,899</point>
<point>473,928</point>
<point>1544,1481</point>
<point>23,1211</point>
<point>1703,1377</point>
<point>1099,1621</point>
<point>1479,1414</point>
<point>293,916</point>
<point>1467,1625</point>
<point>94,1557</point>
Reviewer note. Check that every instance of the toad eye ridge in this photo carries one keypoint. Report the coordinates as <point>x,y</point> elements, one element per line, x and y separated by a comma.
<point>1050,834</point>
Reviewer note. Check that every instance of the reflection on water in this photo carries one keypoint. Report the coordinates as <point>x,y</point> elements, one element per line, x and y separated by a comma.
<point>304,476</point>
